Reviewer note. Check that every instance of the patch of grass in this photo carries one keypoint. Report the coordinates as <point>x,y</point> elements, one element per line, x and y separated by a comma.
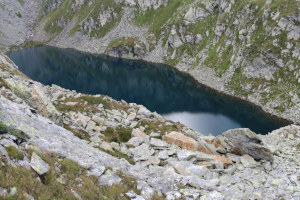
<point>119,155</point>
<point>27,181</point>
<point>96,101</point>
<point>78,133</point>
<point>298,146</point>
<point>2,7</point>
<point>14,153</point>
<point>118,135</point>
<point>70,167</point>
<point>21,2</point>
<point>19,14</point>
<point>124,43</point>
<point>158,127</point>
<point>86,103</point>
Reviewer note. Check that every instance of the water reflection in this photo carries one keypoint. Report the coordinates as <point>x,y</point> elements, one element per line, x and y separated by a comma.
<point>156,86</point>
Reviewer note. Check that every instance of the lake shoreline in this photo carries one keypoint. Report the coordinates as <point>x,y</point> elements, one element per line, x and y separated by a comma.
<point>221,94</point>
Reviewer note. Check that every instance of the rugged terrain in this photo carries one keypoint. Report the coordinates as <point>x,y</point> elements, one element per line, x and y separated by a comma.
<point>67,145</point>
<point>59,144</point>
<point>248,49</point>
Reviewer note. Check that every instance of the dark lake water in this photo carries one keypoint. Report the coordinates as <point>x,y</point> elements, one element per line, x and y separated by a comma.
<point>158,87</point>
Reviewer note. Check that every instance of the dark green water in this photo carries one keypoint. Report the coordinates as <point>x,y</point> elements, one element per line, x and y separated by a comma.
<point>158,87</point>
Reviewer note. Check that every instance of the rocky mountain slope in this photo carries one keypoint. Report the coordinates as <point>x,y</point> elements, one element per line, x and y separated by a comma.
<point>249,49</point>
<point>59,144</point>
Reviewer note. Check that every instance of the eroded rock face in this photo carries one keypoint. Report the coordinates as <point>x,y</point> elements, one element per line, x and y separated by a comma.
<point>244,141</point>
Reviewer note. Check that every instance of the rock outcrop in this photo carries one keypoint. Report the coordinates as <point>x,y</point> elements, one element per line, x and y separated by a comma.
<point>244,141</point>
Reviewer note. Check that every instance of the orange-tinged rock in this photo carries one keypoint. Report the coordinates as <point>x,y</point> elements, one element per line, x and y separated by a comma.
<point>226,161</point>
<point>181,140</point>
<point>138,133</point>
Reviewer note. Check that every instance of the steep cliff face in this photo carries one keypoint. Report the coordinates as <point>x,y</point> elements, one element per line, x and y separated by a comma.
<point>248,49</point>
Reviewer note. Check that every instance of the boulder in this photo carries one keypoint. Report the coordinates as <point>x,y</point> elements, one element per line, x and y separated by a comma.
<point>181,140</point>
<point>38,165</point>
<point>243,141</point>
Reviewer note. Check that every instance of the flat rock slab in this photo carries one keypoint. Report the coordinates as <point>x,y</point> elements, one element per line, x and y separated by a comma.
<point>181,140</point>
<point>38,165</point>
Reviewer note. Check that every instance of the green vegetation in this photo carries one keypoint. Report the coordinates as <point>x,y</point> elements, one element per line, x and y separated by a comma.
<point>70,167</point>
<point>157,19</point>
<point>21,2</point>
<point>96,100</point>
<point>14,153</point>
<point>2,7</point>
<point>119,155</point>
<point>50,186</point>
<point>298,146</point>
<point>64,14</point>
<point>158,127</point>
<point>19,14</point>
<point>123,43</point>
<point>85,103</point>
<point>82,134</point>
<point>118,135</point>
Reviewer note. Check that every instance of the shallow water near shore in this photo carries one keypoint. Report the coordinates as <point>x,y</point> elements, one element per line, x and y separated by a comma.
<point>160,88</point>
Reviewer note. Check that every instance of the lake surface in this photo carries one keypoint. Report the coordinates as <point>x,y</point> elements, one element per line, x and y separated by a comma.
<point>158,87</point>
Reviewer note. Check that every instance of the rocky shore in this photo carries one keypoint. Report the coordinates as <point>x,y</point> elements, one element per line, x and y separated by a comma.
<point>112,140</point>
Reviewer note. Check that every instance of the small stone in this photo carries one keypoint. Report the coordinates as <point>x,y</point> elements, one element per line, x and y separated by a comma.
<point>154,160</point>
<point>158,143</point>
<point>3,192</point>
<point>163,155</point>
<point>185,155</point>
<point>76,195</point>
<point>212,196</point>
<point>90,125</point>
<point>106,146</point>
<point>136,132</point>
<point>98,120</point>
<point>38,165</point>
<point>248,161</point>
<point>13,191</point>
<point>135,141</point>
<point>83,120</point>
<point>109,178</point>
<point>146,191</point>
<point>131,116</point>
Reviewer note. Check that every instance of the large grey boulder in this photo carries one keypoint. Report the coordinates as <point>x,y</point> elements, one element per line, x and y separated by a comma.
<point>244,141</point>
<point>38,165</point>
